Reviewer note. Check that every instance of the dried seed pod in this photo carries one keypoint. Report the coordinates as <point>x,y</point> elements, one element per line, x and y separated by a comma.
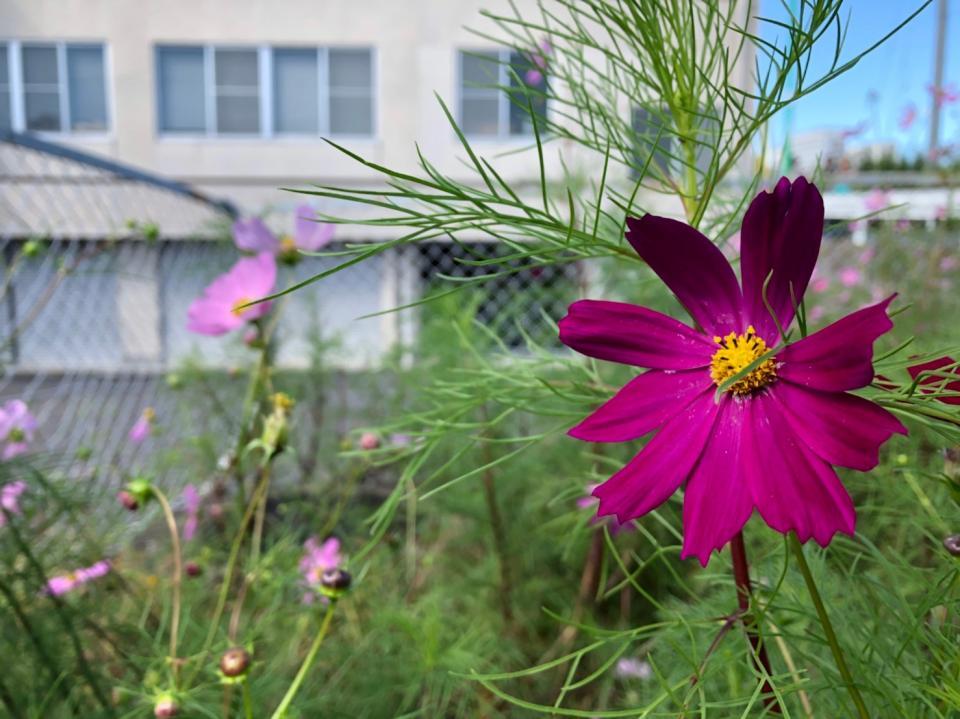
<point>334,582</point>
<point>952,544</point>
<point>235,662</point>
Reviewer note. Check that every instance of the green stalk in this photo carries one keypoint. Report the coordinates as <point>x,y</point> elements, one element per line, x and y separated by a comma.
<point>247,700</point>
<point>177,577</point>
<point>838,657</point>
<point>281,710</point>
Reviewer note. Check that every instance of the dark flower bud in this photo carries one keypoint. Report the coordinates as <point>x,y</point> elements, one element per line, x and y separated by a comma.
<point>235,662</point>
<point>128,501</point>
<point>952,544</point>
<point>166,706</point>
<point>193,569</point>
<point>334,582</point>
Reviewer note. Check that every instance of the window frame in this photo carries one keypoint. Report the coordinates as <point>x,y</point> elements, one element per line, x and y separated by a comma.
<point>266,104</point>
<point>16,84</point>
<point>503,59</point>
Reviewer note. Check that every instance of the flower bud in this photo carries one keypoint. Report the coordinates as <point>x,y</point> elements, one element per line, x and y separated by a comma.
<point>235,662</point>
<point>128,501</point>
<point>334,582</point>
<point>166,706</point>
<point>368,440</point>
<point>952,544</point>
<point>140,491</point>
<point>193,569</point>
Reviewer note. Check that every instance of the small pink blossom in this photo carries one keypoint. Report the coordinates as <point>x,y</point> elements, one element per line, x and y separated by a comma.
<point>949,264</point>
<point>877,200</point>
<point>820,284</point>
<point>857,129</point>
<point>308,234</point>
<point>850,277</point>
<point>907,116</point>
<point>221,307</point>
<point>533,77</point>
<point>191,505</point>
<point>944,94</point>
<point>253,235</point>
<point>941,212</point>
<point>866,257</point>
<point>369,440</point>
<point>632,668</point>
<point>317,559</point>
<point>63,583</point>
<point>17,428</point>
<point>142,427</point>
<point>10,499</point>
<point>816,314</point>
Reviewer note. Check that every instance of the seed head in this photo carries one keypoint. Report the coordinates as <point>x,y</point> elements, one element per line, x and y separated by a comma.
<point>952,544</point>
<point>235,662</point>
<point>165,707</point>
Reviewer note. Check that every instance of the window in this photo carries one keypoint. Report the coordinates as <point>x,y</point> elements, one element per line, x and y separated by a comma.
<point>497,88</point>
<point>59,87</point>
<point>265,91</point>
<point>655,135</point>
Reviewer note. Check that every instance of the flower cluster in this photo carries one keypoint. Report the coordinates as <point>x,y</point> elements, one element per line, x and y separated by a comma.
<point>17,428</point>
<point>317,559</point>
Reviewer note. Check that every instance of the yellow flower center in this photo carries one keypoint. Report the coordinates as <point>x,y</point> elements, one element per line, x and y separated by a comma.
<point>238,307</point>
<point>735,353</point>
<point>287,244</point>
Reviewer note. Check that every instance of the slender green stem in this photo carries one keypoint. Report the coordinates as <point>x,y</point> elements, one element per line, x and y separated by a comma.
<point>177,577</point>
<point>281,710</point>
<point>247,700</point>
<point>828,628</point>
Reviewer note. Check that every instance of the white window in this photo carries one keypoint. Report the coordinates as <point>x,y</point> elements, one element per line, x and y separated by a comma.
<point>53,87</point>
<point>497,89</point>
<point>265,91</point>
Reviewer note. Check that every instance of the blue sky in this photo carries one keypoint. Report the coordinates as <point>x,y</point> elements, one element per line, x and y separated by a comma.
<point>898,72</point>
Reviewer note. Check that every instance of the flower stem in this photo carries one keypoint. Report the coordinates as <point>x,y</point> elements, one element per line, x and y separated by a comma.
<point>281,709</point>
<point>247,701</point>
<point>177,576</point>
<point>831,636</point>
<point>741,577</point>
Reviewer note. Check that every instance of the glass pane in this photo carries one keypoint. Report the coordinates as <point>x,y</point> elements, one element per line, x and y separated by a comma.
<point>40,65</point>
<point>479,116</point>
<point>5,121</point>
<point>180,81</point>
<point>42,110</point>
<point>351,116</point>
<point>4,76</point>
<point>351,68</point>
<point>88,100</point>
<point>296,104</point>
<point>479,69</point>
<point>649,139</point>
<point>238,114</point>
<point>528,85</point>
<point>237,68</point>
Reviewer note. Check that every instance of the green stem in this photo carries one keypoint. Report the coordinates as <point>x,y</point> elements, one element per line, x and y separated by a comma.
<point>838,657</point>
<point>281,710</point>
<point>177,576</point>
<point>247,700</point>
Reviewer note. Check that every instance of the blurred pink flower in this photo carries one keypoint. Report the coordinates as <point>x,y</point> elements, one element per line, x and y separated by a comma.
<point>369,440</point>
<point>850,277</point>
<point>907,116</point>
<point>944,94</point>
<point>191,505</point>
<point>10,499</point>
<point>857,129</point>
<point>949,264</point>
<point>941,212</point>
<point>876,200</point>
<point>308,234</point>
<point>855,225</point>
<point>142,427</point>
<point>17,428</point>
<point>63,583</point>
<point>253,235</point>
<point>866,256</point>
<point>816,314</point>
<point>902,225</point>
<point>819,284</point>
<point>632,668</point>
<point>533,77</point>
<point>220,309</point>
<point>317,559</point>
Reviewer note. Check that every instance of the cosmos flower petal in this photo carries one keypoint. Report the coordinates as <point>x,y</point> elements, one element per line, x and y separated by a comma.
<point>250,278</point>
<point>717,501</point>
<point>840,428</point>
<point>308,234</point>
<point>693,268</point>
<point>649,479</point>
<point>780,234</point>
<point>253,235</point>
<point>643,404</point>
<point>633,335</point>
<point>935,378</point>
<point>840,356</point>
<point>793,489</point>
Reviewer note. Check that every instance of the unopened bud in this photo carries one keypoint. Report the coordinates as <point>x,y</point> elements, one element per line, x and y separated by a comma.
<point>952,544</point>
<point>193,569</point>
<point>368,440</point>
<point>234,662</point>
<point>166,706</point>
<point>334,582</point>
<point>128,501</point>
<point>140,490</point>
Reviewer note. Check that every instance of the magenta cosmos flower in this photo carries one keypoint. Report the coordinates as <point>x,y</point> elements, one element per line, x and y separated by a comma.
<point>769,441</point>
<point>10,499</point>
<point>17,428</point>
<point>142,428</point>
<point>191,505</point>
<point>317,559</point>
<point>220,308</point>
<point>253,235</point>
<point>63,583</point>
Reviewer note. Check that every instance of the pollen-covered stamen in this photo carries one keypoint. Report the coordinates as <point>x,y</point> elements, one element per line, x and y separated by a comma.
<point>736,352</point>
<point>238,307</point>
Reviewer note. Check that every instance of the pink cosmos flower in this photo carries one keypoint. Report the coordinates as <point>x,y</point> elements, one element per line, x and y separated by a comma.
<point>142,427</point>
<point>632,668</point>
<point>876,200</point>
<point>944,95</point>
<point>819,284</point>
<point>317,559</point>
<point>769,441</point>
<point>588,500</point>
<point>907,116</point>
<point>17,428</point>
<point>220,309</point>
<point>902,225</point>
<point>64,583</point>
<point>850,277</point>
<point>10,499</point>
<point>191,505</point>
<point>369,440</point>
<point>949,264</point>
<point>933,373</point>
<point>253,235</point>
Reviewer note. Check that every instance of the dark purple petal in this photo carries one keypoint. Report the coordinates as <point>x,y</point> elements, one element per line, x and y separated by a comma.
<point>652,476</point>
<point>938,381</point>
<point>840,356</point>
<point>840,428</point>
<point>717,501</point>
<point>633,335</point>
<point>693,268</point>
<point>642,405</point>
<point>793,489</point>
<point>781,233</point>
